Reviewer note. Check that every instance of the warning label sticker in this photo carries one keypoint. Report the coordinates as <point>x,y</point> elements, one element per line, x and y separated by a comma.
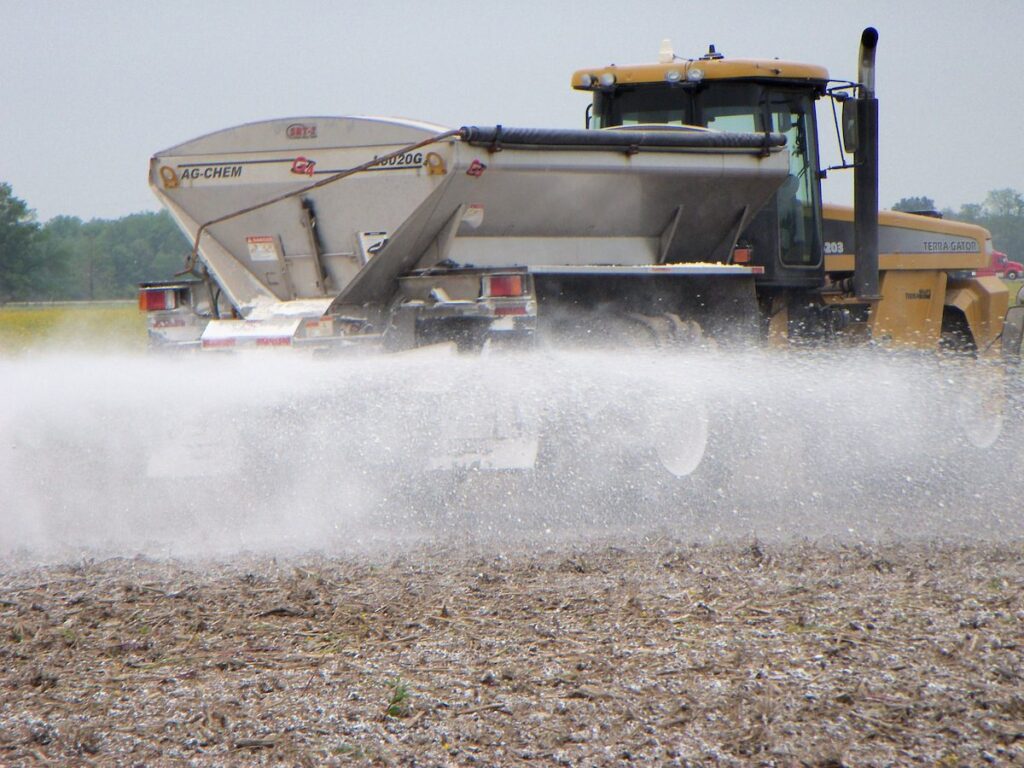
<point>262,247</point>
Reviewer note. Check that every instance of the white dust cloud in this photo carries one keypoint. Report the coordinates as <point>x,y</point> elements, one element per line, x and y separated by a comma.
<point>182,455</point>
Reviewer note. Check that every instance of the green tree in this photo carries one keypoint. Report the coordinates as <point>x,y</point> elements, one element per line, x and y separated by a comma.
<point>1004,218</point>
<point>108,258</point>
<point>67,258</point>
<point>1004,202</point>
<point>972,213</point>
<point>18,228</point>
<point>1002,214</point>
<point>51,259</point>
<point>914,204</point>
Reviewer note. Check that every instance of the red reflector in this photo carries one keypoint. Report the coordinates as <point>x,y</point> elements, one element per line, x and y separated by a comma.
<point>741,255</point>
<point>151,300</point>
<point>217,343</point>
<point>505,285</point>
<point>516,310</point>
<point>273,341</point>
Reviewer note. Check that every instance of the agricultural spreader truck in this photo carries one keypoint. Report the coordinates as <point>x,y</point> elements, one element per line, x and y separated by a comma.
<point>688,213</point>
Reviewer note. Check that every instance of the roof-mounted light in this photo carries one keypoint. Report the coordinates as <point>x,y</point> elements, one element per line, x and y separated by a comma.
<point>673,76</point>
<point>712,54</point>
<point>607,80</point>
<point>587,81</point>
<point>695,74</point>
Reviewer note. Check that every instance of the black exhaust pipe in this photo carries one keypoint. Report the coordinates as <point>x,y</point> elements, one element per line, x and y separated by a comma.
<point>865,174</point>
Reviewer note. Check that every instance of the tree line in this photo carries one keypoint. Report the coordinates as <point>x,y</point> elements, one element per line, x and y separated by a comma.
<point>70,259</point>
<point>67,259</point>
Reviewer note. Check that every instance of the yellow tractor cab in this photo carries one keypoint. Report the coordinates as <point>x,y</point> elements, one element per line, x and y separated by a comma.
<point>900,277</point>
<point>734,95</point>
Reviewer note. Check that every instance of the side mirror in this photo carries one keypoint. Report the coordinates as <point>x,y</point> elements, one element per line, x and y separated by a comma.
<point>850,125</point>
<point>1013,331</point>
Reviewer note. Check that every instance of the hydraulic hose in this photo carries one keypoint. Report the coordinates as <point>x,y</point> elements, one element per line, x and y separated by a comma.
<point>500,136</point>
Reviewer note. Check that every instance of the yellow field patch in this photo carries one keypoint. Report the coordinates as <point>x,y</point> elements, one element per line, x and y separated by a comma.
<point>73,325</point>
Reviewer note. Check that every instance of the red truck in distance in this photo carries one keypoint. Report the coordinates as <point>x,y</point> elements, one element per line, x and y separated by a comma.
<point>1001,265</point>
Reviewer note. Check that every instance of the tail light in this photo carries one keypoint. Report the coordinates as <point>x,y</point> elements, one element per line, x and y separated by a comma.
<point>156,299</point>
<point>503,286</point>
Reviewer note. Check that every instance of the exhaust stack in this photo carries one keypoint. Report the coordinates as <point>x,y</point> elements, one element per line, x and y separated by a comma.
<point>865,174</point>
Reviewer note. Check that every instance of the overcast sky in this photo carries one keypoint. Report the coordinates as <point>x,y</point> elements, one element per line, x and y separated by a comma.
<point>90,90</point>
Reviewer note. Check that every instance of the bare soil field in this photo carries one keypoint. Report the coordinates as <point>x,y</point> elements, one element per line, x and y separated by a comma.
<point>654,651</point>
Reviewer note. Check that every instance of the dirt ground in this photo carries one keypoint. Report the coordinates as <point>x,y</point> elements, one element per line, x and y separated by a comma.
<point>653,651</point>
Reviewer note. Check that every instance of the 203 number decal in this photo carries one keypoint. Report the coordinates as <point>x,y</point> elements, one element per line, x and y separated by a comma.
<point>833,247</point>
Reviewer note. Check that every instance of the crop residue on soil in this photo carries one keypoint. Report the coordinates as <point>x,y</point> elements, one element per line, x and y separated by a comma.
<point>652,652</point>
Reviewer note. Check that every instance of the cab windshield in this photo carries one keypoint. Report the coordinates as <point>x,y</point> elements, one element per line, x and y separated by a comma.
<point>749,108</point>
